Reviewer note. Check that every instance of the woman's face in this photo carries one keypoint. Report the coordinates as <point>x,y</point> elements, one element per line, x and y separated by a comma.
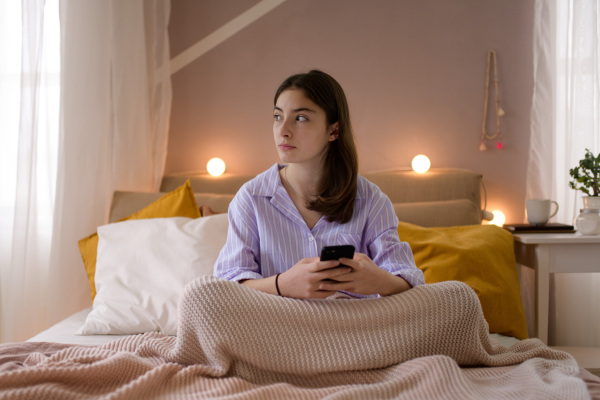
<point>300,129</point>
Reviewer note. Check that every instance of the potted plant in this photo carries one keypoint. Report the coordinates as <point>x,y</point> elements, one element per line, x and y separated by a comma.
<point>586,177</point>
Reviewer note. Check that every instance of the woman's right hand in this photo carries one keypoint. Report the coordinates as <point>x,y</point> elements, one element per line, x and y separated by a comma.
<point>302,281</point>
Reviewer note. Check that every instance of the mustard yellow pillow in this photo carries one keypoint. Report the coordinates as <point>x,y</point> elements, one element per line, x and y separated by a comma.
<point>482,256</point>
<point>178,203</point>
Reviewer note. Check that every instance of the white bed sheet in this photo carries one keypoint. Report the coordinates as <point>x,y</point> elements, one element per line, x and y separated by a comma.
<point>64,332</point>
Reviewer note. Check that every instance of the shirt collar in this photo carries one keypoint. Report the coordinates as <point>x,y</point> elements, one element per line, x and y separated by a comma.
<point>273,183</point>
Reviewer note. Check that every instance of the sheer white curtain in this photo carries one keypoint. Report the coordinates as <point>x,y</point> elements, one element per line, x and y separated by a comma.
<point>29,94</point>
<point>115,108</point>
<point>115,96</point>
<point>565,119</point>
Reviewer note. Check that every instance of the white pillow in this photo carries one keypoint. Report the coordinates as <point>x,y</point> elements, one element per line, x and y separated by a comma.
<point>143,265</point>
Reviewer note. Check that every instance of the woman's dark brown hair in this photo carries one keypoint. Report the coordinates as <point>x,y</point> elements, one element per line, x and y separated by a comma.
<point>337,186</point>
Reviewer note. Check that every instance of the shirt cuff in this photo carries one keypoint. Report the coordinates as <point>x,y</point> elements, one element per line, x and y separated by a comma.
<point>245,275</point>
<point>413,276</point>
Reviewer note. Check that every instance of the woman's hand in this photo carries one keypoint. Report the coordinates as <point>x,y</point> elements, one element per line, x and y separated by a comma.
<point>305,279</point>
<point>311,278</point>
<point>365,277</point>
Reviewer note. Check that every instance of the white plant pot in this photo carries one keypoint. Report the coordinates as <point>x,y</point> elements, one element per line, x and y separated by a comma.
<point>591,202</point>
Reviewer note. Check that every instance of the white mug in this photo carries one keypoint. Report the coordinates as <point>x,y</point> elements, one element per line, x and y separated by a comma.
<point>539,211</point>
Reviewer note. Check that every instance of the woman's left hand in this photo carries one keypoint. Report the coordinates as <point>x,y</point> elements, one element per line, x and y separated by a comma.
<point>366,278</point>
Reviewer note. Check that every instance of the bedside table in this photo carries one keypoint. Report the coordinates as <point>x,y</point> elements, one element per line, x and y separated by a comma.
<point>549,253</point>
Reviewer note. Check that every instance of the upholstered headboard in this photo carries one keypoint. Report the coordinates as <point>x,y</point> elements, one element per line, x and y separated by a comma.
<point>439,197</point>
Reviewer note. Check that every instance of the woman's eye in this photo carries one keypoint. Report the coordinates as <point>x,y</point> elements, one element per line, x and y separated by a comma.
<point>301,118</point>
<point>276,117</point>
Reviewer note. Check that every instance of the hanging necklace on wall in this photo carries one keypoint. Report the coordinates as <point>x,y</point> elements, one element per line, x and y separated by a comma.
<point>491,63</point>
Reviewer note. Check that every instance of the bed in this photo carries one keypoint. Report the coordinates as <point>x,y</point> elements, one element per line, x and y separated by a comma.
<point>159,331</point>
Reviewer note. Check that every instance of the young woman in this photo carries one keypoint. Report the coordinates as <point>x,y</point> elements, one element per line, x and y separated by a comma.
<point>280,220</point>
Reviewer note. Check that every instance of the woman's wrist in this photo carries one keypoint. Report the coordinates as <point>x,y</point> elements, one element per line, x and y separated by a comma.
<point>277,284</point>
<point>394,285</point>
<point>267,285</point>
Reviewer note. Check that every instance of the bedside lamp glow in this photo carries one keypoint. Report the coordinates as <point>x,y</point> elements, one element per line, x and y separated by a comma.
<point>421,163</point>
<point>499,218</point>
<point>215,166</point>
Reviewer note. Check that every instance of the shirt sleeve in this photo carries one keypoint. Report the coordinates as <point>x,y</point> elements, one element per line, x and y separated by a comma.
<point>384,245</point>
<point>239,258</point>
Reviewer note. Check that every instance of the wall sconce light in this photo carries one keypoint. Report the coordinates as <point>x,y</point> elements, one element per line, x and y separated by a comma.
<point>495,217</point>
<point>421,164</point>
<point>215,166</point>
<point>499,218</point>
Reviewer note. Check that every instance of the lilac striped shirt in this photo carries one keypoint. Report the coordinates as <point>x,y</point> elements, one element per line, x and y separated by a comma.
<point>267,234</point>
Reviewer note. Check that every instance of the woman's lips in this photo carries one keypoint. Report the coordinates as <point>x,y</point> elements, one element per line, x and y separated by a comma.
<point>284,146</point>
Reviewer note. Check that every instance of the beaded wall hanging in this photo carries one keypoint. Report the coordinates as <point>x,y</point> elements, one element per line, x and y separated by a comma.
<point>491,64</point>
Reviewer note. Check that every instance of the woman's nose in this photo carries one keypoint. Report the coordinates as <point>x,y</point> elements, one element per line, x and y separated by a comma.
<point>284,128</point>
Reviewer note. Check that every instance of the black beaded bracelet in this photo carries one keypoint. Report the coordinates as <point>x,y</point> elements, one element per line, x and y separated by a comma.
<point>277,284</point>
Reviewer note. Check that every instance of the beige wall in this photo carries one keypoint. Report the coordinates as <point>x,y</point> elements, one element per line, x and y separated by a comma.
<point>413,72</point>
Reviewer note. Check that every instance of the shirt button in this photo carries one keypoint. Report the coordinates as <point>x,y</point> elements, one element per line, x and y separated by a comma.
<point>310,239</point>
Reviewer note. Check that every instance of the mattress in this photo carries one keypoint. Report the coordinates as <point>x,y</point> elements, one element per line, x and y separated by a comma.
<point>64,332</point>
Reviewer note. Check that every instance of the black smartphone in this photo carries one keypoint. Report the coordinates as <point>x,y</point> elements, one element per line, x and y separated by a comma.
<point>337,252</point>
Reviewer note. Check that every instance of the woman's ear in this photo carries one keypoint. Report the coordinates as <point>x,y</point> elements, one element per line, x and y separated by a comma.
<point>334,131</point>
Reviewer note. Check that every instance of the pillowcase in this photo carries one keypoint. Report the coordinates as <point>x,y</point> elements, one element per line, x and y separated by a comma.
<point>142,267</point>
<point>178,203</point>
<point>482,256</point>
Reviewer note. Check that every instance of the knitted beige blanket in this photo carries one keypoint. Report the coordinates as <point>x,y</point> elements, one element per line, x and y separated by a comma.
<point>234,342</point>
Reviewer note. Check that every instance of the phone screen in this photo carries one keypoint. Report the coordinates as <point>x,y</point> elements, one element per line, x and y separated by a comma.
<point>337,252</point>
